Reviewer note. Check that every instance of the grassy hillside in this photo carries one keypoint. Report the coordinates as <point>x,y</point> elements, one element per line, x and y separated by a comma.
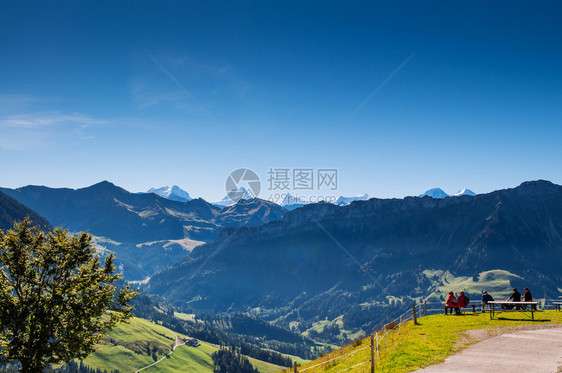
<point>499,283</point>
<point>132,346</point>
<point>198,360</point>
<point>411,347</point>
<point>187,359</point>
<point>140,342</point>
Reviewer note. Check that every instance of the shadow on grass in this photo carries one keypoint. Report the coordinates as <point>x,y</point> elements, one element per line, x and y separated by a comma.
<point>530,320</point>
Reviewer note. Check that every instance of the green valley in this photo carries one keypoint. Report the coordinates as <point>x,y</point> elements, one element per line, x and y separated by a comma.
<point>140,343</point>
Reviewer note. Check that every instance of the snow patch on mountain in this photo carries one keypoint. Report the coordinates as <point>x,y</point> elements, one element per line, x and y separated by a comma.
<point>175,193</point>
<point>464,192</point>
<point>439,193</point>
<point>344,201</point>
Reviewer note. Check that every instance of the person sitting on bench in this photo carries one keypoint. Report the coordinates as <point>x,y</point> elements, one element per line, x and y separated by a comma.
<point>455,303</point>
<point>452,302</point>
<point>515,297</point>
<point>485,299</point>
<point>528,297</point>
<point>462,300</point>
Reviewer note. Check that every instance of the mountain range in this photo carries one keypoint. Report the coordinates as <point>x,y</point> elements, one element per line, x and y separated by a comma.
<point>439,193</point>
<point>289,201</point>
<point>325,261</point>
<point>145,231</point>
<point>318,261</point>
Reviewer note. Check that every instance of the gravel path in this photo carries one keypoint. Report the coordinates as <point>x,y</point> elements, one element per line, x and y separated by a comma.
<point>526,350</point>
<point>165,356</point>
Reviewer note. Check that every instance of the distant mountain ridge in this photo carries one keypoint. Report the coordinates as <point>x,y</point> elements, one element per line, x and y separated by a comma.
<point>344,201</point>
<point>291,202</point>
<point>439,193</point>
<point>145,230</point>
<point>295,270</point>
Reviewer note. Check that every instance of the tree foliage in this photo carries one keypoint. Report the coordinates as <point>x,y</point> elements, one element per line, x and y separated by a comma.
<point>231,361</point>
<point>57,300</point>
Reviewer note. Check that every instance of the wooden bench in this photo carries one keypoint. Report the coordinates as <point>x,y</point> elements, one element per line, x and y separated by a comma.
<point>471,304</point>
<point>557,304</point>
<point>486,307</point>
<point>517,307</point>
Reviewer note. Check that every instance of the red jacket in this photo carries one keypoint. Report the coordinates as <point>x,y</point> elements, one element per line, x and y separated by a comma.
<point>462,302</point>
<point>451,301</point>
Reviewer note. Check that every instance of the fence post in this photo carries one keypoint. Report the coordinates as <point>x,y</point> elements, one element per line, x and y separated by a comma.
<point>377,337</point>
<point>295,366</point>
<point>400,325</point>
<point>415,315</point>
<point>425,306</point>
<point>372,353</point>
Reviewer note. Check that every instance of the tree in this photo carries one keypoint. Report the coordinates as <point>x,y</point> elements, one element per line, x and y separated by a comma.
<point>230,361</point>
<point>56,298</point>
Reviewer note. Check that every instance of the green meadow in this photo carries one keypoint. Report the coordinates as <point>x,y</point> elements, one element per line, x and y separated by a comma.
<point>139,343</point>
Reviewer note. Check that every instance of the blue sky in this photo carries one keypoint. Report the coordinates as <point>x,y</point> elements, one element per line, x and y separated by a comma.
<point>466,94</point>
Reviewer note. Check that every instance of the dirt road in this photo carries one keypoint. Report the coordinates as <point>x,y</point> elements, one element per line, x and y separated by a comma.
<point>165,356</point>
<point>530,350</point>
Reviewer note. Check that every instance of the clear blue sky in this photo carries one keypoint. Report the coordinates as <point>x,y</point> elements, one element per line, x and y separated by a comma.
<point>478,104</point>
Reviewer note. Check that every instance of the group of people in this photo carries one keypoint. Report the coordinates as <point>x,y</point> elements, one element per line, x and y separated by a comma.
<point>457,303</point>
<point>462,301</point>
<point>516,297</point>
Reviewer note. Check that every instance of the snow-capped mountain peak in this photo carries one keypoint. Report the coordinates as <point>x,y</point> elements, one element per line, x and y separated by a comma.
<point>234,196</point>
<point>175,193</point>
<point>344,201</point>
<point>434,193</point>
<point>464,192</point>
